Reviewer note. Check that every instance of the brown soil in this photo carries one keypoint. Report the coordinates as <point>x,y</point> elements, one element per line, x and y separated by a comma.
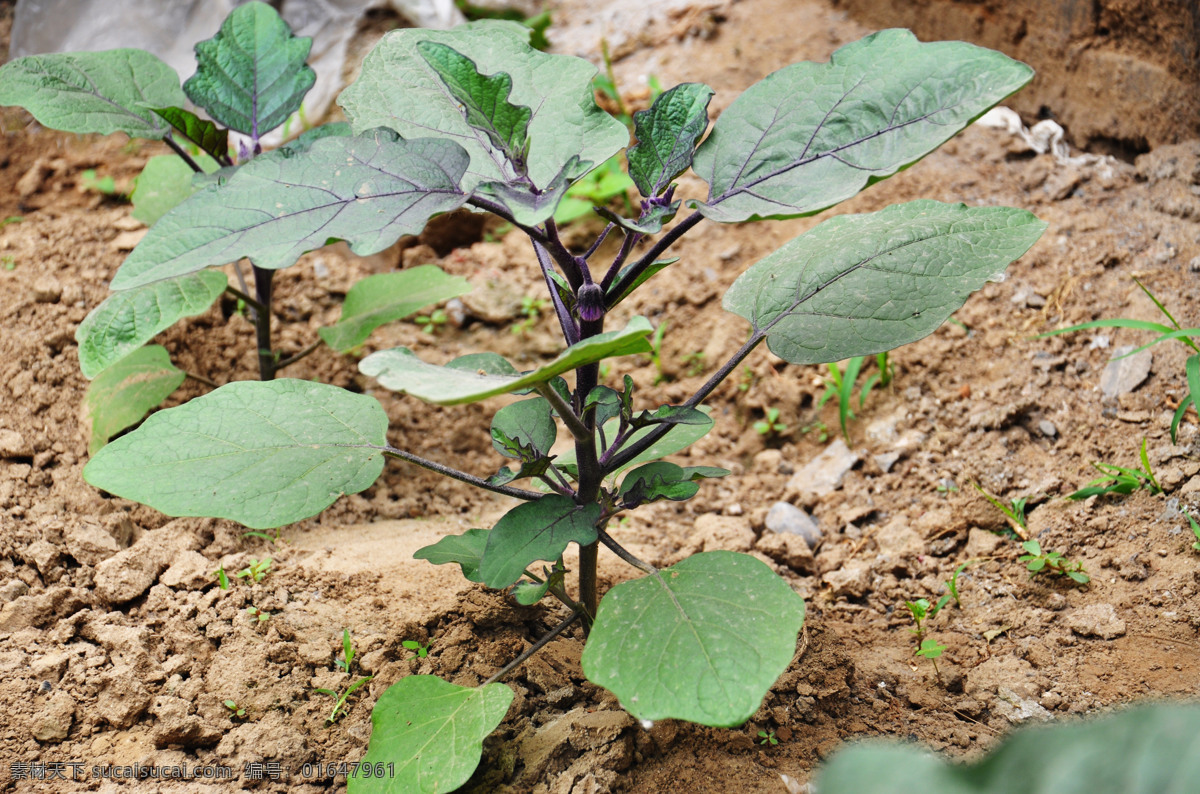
<point>117,646</point>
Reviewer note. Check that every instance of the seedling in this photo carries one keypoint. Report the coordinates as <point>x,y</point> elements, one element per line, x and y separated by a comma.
<point>694,362</point>
<point>419,651</point>
<point>433,322</point>
<point>251,78</point>
<point>1165,332</point>
<point>840,384</point>
<point>257,614</point>
<point>1195,530</point>
<point>1036,561</point>
<point>1014,511</point>
<point>952,582</point>
<point>655,352</point>
<point>1120,480</point>
<point>531,312</point>
<point>8,262</point>
<point>222,577</point>
<point>767,737</point>
<point>256,570</point>
<point>921,610</point>
<point>475,117</point>
<point>770,425</point>
<point>348,653</point>
<point>931,650</point>
<point>340,699</point>
<point>236,711</point>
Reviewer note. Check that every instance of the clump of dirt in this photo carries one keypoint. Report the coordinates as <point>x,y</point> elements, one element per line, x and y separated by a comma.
<point>118,646</point>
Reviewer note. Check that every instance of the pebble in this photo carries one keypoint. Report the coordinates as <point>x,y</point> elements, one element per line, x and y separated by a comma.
<point>1096,620</point>
<point>1125,373</point>
<point>1047,428</point>
<point>788,519</point>
<point>824,474</point>
<point>47,289</point>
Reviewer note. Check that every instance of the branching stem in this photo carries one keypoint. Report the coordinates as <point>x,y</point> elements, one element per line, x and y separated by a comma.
<point>292,359</point>
<point>169,140</point>
<point>461,476</point>
<point>565,412</point>
<point>532,649</point>
<point>625,554</point>
<point>656,250</point>
<point>245,298</point>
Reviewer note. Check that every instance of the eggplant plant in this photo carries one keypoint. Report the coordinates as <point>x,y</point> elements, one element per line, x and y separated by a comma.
<point>474,117</point>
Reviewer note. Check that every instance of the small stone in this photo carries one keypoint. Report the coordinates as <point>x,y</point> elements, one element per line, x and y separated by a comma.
<point>47,289</point>
<point>14,445</point>
<point>15,588</point>
<point>823,474</point>
<point>31,181</point>
<point>1124,373</point>
<point>886,460</point>
<point>493,301</point>
<point>1047,428</point>
<point>789,519</point>
<point>53,721</point>
<point>1017,709</point>
<point>852,580</point>
<point>1194,264</point>
<point>1096,620</point>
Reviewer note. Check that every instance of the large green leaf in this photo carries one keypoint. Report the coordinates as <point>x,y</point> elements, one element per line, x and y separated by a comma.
<point>667,133</point>
<point>264,454</point>
<point>524,430</point>
<point>398,88</point>
<point>127,320</point>
<point>399,369</point>
<point>102,92</point>
<point>861,284</point>
<point>484,101</point>
<point>810,135</point>
<point>126,391</point>
<point>466,550</point>
<point>534,531</point>
<point>164,183</point>
<point>428,735</point>
<point>369,190</point>
<point>1146,750</point>
<point>251,76</point>
<point>385,297</point>
<point>701,641</point>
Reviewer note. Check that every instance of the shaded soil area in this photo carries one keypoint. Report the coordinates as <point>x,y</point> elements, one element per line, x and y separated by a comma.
<point>118,646</point>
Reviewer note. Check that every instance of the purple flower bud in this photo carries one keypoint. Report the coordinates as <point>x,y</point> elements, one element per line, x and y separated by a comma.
<point>590,302</point>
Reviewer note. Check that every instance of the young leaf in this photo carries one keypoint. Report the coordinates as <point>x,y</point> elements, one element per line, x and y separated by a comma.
<point>127,320</point>
<point>655,481</point>
<point>527,205</point>
<point>701,641</point>
<point>666,136</point>
<point>264,454</point>
<point>211,139</point>
<point>430,732</point>
<point>164,183</point>
<point>1146,750</point>
<point>612,297</point>
<point>529,593</point>
<point>860,284</point>
<point>385,297</point>
<point>810,135</point>
<point>399,89</point>
<point>369,190</point>
<point>100,92</point>
<point>400,370</point>
<point>534,531</point>
<point>466,550</point>
<point>484,101</point>
<point>649,222</point>
<point>126,391</point>
<point>524,430</point>
<point>252,75</point>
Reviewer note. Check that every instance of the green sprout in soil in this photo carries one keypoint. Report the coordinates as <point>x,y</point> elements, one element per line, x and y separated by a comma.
<point>767,738</point>
<point>236,711</point>
<point>222,577</point>
<point>1014,510</point>
<point>770,424</point>
<point>841,383</point>
<point>257,614</point>
<point>1195,529</point>
<point>419,651</point>
<point>433,322</point>
<point>1120,480</point>
<point>1036,562</point>
<point>257,570</point>
<point>346,665</point>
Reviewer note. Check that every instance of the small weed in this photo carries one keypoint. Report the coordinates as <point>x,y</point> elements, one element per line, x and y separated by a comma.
<point>236,711</point>
<point>339,706</point>
<point>1036,561</point>
<point>419,651</point>
<point>767,738</point>
<point>222,578</point>
<point>946,485</point>
<point>531,311</point>
<point>694,362</point>
<point>8,262</point>
<point>840,384</point>
<point>1195,530</point>
<point>952,582</point>
<point>270,538</point>
<point>105,184</point>
<point>1014,511</point>
<point>433,322</point>
<point>11,219</point>
<point>931,650</point>
<point>770,426</point>
<point>818,427</point>
<point>656,341</point>
<point>257,614</point>
<point>348,653</point>
<point>1120,480</point>
<point>746,380</point>
<point>921,611</point>
<point>256,570</point>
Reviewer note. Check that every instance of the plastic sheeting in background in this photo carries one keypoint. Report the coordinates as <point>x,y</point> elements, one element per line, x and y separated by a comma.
<point>171,28</point>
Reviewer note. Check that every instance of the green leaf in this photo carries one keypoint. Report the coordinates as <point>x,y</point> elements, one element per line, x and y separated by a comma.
<point>252,75</point>
<point>164,183</point>
<point>649,222</point>
<point>860,284</point>
<point>701,641</point>
<point>369,190</point>
<point>1146,750</point>
<point>534,531</point>
<point>530,206</point>
<point>655,481</point>
<point>483,100</point>
<point>612,297</point>
<point>810,135</point>
<point>126,391</point>
<point>666,136</point>
<point>400,370</point>
<point>385,297</point>
<point>529,593</point>
<point>524,430</point>
<point>465,550</point>
<point>264,454</point>
<point>127,320</point>
<point>429,735</point>
<point>211,139</point>
<point>399,89</point>
<point>100,92</point>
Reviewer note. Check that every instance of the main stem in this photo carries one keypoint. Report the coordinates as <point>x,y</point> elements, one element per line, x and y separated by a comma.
<point>262,323</point>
